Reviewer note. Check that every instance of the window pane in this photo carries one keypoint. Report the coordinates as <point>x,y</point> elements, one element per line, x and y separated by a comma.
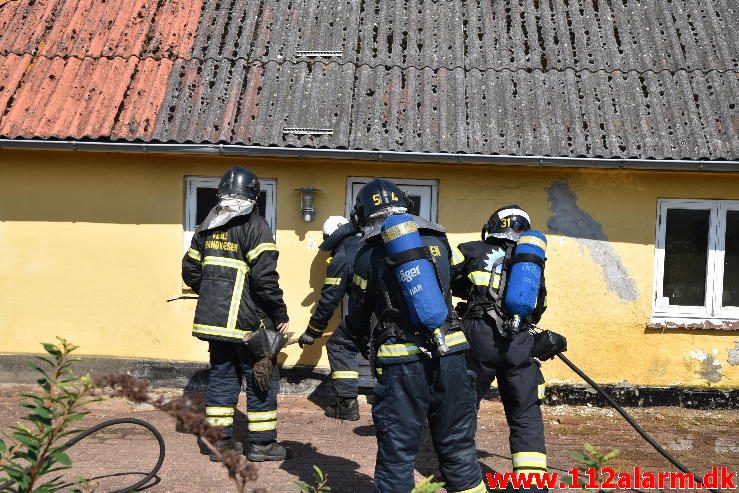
<point>686,256</point>
<point>731,260</point>
<point>415,208</point>
<point>207,199</point>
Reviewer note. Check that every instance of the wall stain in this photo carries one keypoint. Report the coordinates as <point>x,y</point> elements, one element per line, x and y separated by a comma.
<point>733,358</point>
<point>569,220</point>
<point>710,368</point>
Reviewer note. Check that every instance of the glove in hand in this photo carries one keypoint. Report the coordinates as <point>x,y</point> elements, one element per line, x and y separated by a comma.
<point>263,372</point>
<point>305,340</point>
<point>548,344</point>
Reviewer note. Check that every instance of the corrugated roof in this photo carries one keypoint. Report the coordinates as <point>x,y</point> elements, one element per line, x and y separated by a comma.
<point>594,78</point>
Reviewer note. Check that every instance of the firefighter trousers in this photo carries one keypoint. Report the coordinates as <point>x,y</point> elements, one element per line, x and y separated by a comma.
<point>230,363</point>
<point>521,386</point>
<point>439,390</point>
<point>342,357</point>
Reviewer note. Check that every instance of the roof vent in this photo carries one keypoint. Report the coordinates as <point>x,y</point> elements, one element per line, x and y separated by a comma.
<point>307,131</point>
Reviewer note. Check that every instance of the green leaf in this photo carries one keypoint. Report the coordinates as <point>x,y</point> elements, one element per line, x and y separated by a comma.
<point>27,439</point>
<point>319,473</point>
<point>302,486</point>
<point>62,458</point>
<point>52,349</point>
<point>612,454</point>
<point>3,447</point>
<point>578,456</point>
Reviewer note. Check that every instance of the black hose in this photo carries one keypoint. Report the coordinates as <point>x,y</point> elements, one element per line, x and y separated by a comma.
<point>630,420</point>
<point>119,421</point>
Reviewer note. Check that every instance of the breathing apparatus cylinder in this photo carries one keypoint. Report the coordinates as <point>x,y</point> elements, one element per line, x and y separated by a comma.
<point>524,277</point>
<point>416,275</point>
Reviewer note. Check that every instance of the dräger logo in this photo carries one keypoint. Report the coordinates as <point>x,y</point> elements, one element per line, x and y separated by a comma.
<point>408,275</point>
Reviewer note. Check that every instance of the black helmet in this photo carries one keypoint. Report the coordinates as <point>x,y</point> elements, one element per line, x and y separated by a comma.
<point>506,223</point>
<point>375,196</point>
<point>239,181</point>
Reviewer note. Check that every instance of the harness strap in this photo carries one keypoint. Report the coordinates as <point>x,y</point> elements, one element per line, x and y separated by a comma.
<point>528,257</point>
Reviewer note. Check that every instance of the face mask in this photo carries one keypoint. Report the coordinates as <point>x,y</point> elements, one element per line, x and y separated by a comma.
<point>239,205</point>
<point>228,207</point>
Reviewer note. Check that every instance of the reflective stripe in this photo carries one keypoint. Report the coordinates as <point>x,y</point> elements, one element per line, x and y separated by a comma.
<point>533,461</point>
<point>408,348</point>
<point>233,311</point>
<point>541,391</point>
<point>220,421</point>
<point>311,326</point>
<point>378,370</point>
<point>333,281</point>
<point>194,254</point>
<point>457,256</point>
<point>219,411</point>
<point>345,374</point>
<point>262,415</point>
<point>362,283</point>
<point>533,240</point>
<point>538,472</point>
<point>480,488</point>
<point>399,230</point>
<point>233,263</point>
<point>482,278</point>
<point>256,252</point>
<point>328,260</point>
<point>514,212</point>
<point>266,426</point>
<point>394,350</point>
<point>219,331</point>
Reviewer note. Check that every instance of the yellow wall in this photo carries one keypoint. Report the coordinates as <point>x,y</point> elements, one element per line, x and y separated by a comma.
<point>90,249</point>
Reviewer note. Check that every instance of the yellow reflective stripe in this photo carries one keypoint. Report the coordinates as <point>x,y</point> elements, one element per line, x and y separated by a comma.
<point>219,331</point>
<point>219,411</point>
<point>529,460</point>
<point>533,240</point>
<point>480,488</point>
<point>390,350</point>
<point>333,281</point>
<point>328,260</point>
<point>529,471</point>
<point>311,326</point>
<point>261,415</point>
<point>399,230</point>
<point>479,278</point>
<point>362,283</point>
<point>541,391</point>
<point>233,310</point>
<point>455,339</point>
<point>220,421</point>
<point>378,370</point>
<point>345,374</point>
<point>457,256</point>
<point>233,263</point>
<point>266,426</point>
<point>191,252</point>
<point>256,252</point>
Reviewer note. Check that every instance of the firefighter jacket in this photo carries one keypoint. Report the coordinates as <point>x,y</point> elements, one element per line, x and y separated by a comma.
<point>338,276</point>
<point>374,287</point>
<point>234,270</point>
<point>476,266</point>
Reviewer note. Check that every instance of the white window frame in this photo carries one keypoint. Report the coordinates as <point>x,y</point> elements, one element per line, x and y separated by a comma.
<point>192,183</point>
<point>426,189</point>
<point>661,309</point>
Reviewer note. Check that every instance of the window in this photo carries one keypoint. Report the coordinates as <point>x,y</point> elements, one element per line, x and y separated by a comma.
<point>697,259</point>
<point>200,197</point>
<point>423,194</point>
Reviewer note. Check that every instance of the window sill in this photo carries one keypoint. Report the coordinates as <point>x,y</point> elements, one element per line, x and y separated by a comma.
<point>696,323</point>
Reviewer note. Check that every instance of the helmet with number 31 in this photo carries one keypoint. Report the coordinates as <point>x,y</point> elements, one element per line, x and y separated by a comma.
<point>507,223</point>
<point>376,197</point>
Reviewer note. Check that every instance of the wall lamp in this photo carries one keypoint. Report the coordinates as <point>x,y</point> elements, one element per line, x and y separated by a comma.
<point>306,203</point>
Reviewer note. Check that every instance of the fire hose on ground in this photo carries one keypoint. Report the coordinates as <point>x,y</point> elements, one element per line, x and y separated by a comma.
<point>112,422</point>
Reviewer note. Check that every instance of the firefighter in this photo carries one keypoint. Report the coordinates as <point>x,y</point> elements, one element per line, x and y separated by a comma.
<point>495,352</point>
<point>343,241</point>
<point>232,264</point>
<point>418,378</point>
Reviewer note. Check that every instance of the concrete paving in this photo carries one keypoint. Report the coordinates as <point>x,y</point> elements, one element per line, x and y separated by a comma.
<point>346,450</point>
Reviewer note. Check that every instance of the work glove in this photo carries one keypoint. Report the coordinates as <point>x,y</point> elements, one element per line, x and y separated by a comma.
<point>263,372</point>
<point>305,339</point>
<point>548,344</point>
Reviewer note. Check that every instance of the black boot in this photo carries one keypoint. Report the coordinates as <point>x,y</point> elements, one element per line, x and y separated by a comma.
<point>345,408</point>
<point>227,444</point>
<point>270,451</point>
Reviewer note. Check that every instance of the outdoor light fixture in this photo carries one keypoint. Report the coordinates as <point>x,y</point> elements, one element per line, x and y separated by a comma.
<point>306,203</point>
